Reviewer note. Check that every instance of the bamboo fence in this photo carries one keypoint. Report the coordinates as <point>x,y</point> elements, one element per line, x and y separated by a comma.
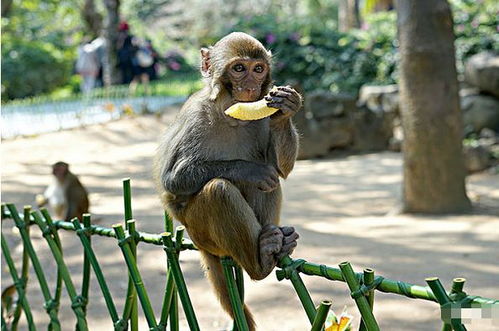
<point>362,285</point>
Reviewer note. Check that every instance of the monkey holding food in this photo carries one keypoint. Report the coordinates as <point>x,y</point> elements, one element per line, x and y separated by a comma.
<point>66,195</point>
<point>219,176</point>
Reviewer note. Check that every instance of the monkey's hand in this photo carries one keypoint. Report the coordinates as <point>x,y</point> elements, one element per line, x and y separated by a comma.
<point>286,99</point>
<point>264,177</point>
<point>40,200</point>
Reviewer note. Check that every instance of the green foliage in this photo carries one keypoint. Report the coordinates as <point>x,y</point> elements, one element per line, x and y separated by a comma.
<point>475,27</point>
<point>30,68</point>
<point>312,52</point>
<point>322,58</point>
<point>39,39</point>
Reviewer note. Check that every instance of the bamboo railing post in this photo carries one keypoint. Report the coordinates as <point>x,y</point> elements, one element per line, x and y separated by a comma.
<point>20,286</point>
<point>173,313</point>
<point>85,283</point>
<point>58,283</point>
<point>131,307</point>
<point>167,300</point>
<point>368,281</point>
<point>24,271</point>
<point>125,243</point>
<point>445,303</point>
<point>171,254</point>
<point>292,274</point>
<point>50,304</point>
<point>320,317</point>
<point>361,301</point>
<point>85,240</point>
<point>234,295</point>
<point>76,300</point>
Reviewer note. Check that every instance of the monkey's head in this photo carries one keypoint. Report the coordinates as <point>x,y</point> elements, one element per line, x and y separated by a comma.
<point>239,64</point>
<point>60,170</point>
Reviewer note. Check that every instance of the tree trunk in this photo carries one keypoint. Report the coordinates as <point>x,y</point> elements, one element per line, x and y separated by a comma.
<point>92,18</point>
<point>111,25</point>
<point>434,174</point>
<point>6,6</point>
<point>348,15</point>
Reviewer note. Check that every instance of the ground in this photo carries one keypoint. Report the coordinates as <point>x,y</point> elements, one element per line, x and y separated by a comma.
<point>343,208</point>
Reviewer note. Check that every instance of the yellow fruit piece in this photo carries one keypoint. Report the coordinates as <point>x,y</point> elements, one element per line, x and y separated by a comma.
<point>250,111</point>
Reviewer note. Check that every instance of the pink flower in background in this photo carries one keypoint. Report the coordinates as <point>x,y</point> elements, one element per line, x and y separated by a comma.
<point>295,36</point>
<point>270,38</point>
<point>175,66</point>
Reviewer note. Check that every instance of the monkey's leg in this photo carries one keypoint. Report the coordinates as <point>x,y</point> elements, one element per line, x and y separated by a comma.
<point>220,221</point>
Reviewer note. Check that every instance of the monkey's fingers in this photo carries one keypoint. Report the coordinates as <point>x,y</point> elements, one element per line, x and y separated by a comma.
<point>283,105</point>
<point>292,97</point>
<point>297,98</point>
<point>287,230</point>
<point>291,238</point>
<point>287,250</point>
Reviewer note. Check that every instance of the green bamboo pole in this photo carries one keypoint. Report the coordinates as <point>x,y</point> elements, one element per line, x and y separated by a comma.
<point>131,305</point>
<point>148,238</point>
<point>239,281</point>
<point>320,317</point>
<point>50,305</point>
<point>299,286</point>
<point>87,246</point>
<point>361,301</point>
<point>75,299</point>
<point>167,300</point>
<point>174,320</point>
<point>20,285</point>
<point>238,271</point>
<point>234,296</point>
<point>125,243</point>
<point>368,280</point>
<point>85,283</point>
<point>386,286</point>
<point>179,281</point>
<point>173,312</point>
<point>443,299</point>
<point>24,272</point>
<point>58,283</point>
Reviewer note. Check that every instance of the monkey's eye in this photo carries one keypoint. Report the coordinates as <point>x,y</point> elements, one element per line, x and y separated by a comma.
<point>259,69</point>
<point>238,67</point>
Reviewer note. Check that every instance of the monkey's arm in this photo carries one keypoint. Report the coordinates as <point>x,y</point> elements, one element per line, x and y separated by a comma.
<point>286,145</point>
<point>187,177</point>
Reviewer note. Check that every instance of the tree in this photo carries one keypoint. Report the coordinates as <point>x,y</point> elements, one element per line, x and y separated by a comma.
<point>434,174</point>
<point>111,25</point>
<point>92,18</point>
<point>348,15</point>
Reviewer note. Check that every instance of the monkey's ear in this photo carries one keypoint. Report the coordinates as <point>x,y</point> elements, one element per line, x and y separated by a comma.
<point>205,61</point>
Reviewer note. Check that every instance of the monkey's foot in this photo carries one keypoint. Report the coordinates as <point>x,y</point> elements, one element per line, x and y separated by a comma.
<point>288,242</point>
<point>271,241</point>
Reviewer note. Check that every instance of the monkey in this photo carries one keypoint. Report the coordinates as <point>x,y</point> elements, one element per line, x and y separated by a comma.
<point>9,303</point>
<point>219,176</point>
<point>66,195</point>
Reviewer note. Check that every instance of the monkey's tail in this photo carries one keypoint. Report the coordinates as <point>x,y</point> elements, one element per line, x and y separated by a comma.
<point>214,272</point>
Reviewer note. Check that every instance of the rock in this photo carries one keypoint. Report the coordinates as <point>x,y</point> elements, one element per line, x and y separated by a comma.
<point>476,158</point>
<point>482,70</point>
<point>318,138</point>
<point>480,111</point>
<point>379,98</point>
<point>372,131</point>
<point>323,104</point>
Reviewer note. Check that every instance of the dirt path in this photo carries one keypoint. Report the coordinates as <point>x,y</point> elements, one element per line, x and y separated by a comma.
<point>339,206</point>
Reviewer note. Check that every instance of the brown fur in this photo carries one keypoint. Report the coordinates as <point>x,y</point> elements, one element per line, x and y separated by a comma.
<point>219,176</point>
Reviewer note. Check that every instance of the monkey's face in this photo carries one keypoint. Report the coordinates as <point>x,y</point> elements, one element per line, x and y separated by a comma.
<point>60,170</point>
<point>244,79</point>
